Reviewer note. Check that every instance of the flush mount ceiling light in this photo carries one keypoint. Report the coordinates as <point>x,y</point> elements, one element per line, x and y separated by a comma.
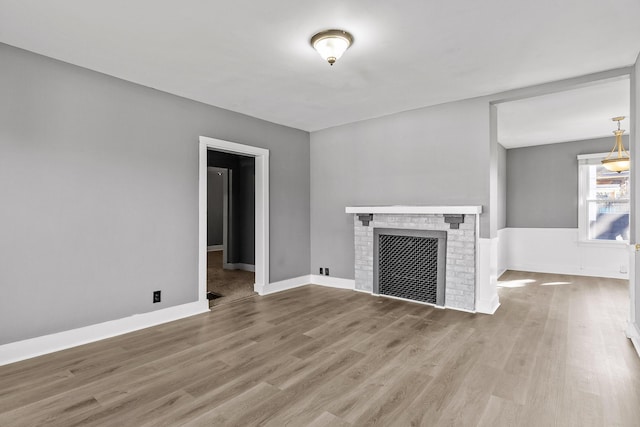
<point>621,162</point>
<point>331,44</point>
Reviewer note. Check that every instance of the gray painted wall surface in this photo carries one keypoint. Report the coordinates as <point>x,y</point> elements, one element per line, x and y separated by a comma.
<point>542,183</point>
<point>99,191</point>
<point>214,208</point>
<point>502,187</point>
<point>398,159</point>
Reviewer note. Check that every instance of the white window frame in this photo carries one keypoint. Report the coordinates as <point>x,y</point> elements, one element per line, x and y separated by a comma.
<point>583,213</point>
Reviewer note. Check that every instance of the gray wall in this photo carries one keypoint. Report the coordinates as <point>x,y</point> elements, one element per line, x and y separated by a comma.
<point>99,191</point>
<point>502,187</point>
<point>214,208</point>
<point>431,156</point>
<point>542,183</point>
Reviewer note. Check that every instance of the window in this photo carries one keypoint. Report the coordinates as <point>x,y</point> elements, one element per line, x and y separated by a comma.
<point>603,201</point>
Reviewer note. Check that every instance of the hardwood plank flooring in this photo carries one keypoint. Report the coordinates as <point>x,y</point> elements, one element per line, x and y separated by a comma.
<point>555,353</point>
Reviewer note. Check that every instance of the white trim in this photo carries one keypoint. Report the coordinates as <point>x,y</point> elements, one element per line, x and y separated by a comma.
<point>592,156</point>
<point>585,161</point>
<point>282,285</point>
<point>261,205</point>
<point>215,248</point>
<point>239,266</point>
<point>633,333</point>
<point>487,300</point>
<point>333,282</point>
<point>227,214</point>
<point>26,349</point>
<point>400,209</point>
<point>503,252</point>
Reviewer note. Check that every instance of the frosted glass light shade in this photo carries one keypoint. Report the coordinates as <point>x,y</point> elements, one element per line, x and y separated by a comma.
<point>331,44</point>
<point>616,164</point>
<point>621,162</point>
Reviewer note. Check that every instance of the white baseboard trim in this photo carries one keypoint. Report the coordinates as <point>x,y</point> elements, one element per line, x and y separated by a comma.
<point>239,266</point>
<point>215,248</point>
<point>333,282</point>
<point>26,349</point>
<point>488,307</point>
<point>569,270</point>
<point>633,333</point>
<point>282,285</point>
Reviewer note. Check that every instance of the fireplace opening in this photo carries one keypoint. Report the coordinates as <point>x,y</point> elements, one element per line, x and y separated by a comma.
<point>410,264</point>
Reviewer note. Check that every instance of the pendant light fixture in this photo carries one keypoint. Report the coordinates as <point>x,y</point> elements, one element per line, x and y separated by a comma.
<point>621,162</point>
<point>331,44</point>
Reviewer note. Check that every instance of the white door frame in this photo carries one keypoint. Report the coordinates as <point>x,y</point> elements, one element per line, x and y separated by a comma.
<point>261,156</point>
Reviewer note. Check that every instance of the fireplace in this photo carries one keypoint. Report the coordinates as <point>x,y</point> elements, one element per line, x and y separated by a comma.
<point>410,264</point>
<point>455,230</point>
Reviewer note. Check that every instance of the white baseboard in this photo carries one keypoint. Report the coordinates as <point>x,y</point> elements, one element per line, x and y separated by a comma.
<point>282,285</point>
<point>333,282</point>
<point>567,269</point>
<point>215,248</point>
<point>488,307</point>
<point>633,333</point>
<point>239,266</point>
<point>26,349</point>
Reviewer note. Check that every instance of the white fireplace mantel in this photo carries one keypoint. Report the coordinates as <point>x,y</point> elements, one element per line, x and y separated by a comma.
<point>413,210</point>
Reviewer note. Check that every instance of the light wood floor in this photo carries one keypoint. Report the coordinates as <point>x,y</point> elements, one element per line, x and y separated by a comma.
<point>554,354</point>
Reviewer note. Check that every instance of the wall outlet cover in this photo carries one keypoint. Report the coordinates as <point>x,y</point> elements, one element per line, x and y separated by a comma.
<point>157,296</point>
<point>326,271</point>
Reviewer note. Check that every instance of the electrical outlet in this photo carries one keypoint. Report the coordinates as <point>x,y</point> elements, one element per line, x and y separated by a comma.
<point>623,269</point>
<point>326,271</point>
<point>321,271</point>
<point>156,297</point>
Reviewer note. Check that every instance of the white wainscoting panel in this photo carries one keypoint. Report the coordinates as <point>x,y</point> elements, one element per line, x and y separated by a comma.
<point>487,300</point>
<point>503,251</point>
<point>557,250</point>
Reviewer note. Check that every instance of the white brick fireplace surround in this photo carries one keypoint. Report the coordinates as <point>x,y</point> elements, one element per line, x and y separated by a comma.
<point>461,226</point>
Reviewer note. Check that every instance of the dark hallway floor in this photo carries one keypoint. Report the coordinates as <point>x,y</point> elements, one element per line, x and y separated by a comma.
<point>232,284</point>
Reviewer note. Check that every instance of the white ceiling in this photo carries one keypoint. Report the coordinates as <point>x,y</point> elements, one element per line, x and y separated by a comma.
<point>254,56</point>
<point>572,115</point>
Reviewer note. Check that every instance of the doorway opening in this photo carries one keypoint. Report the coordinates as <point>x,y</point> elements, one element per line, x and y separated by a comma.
<point>230,227</point>
<point>562,212</point>
<point>233,240</point>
